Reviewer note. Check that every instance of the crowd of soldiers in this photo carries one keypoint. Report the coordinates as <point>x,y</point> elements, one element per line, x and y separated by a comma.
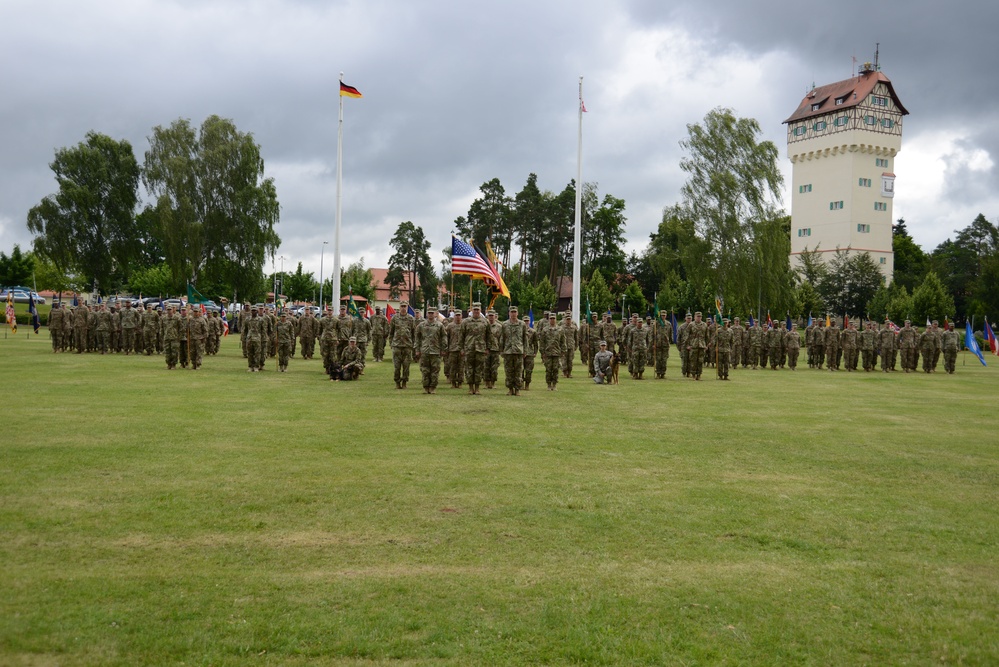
<point>184,338</point>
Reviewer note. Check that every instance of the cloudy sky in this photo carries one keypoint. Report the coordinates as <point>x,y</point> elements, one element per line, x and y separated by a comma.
<point>457,92</point>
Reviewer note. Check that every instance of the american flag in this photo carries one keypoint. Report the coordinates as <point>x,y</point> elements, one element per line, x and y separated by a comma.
<point>225,322</point>
<point>465,260</point>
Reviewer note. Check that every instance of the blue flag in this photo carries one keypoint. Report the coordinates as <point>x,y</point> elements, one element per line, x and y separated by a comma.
<point>530,316</point>
<point>809,319</point>
<point>33,309</point>
<point>787,322</point>
<point>752,322</point>
<point>672,322</point>
<point>409,309</point>
<point>972,344</point>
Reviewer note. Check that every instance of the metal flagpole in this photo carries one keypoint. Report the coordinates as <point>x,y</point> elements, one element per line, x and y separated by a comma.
<point>579,211</point>
<point>335,296</point>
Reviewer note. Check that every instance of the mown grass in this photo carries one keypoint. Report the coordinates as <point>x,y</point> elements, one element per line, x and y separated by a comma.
<point>224,518</point>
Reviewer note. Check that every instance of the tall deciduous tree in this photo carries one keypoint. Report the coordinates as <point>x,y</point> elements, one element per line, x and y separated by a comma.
<point>88,226</point>
<point>850,283</point>
<point>733,186</point>
<point>931,301</point>
<point>17,268</point>
<point>911,263</point>
<point>490,218</point>
<point>216,210</point>
<point>598,295</point>
<point>603,237</point>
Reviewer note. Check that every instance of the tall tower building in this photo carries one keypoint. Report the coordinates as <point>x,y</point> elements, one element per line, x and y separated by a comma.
<point>842,141</point>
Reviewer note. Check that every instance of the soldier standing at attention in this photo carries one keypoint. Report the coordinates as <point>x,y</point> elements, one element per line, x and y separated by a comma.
<point>793,346</point>
<point>473,339</point>
<point>593,337</point>
<point>253,327</point>
<point>379,329</point>
<point>697,342</point>
<point>513,343</point>
<point>639,348</point>
<point>832,347</point>
<point>810,341</point>
<point>431,343</point>
<point>103,328</point>
<point>819,343</point>
<point>775,338</point>
<point>938,339</point>
<point>682,334</point>
<point>244,315</point>
<point>530,352</point>
<point>848,343</point>
<point>495,349</point>
<point>55,327</point>
<point>738,336</point>
<point>149,325</point>
<point>888,346</point>
<point>307,334</point>
<point>80,316</point>
<point>624,344</point>
<point>286,338</point>
<point>551,343</point>
<point>199,333</point>
<point>662,336</point>
<point>570,333</point>
<point>927,346</point>
<point>868,341</point>
<point>402,331</point>
<point>907,340</point>
<point>171,337</point>
<point>608,332</point>
<point>344,330</point>
<point>362,332</point>
<point>949,341</point>
<point>327,341</point>
<point>128,324</point>
<point>723,339</point>
<point>455,369</point>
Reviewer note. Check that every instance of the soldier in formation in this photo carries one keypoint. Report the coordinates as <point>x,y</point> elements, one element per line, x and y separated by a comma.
<point>430,345</point>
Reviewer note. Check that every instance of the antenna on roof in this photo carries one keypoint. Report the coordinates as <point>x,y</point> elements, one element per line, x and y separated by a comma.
<point>853,67</point>
<point>877,50</point>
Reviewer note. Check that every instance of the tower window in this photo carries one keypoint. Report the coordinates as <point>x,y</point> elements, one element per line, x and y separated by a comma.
<point>865,182</point>
<point>887,122</point>
<point>800,131</point>
<point>805,231</point>
<point>870,120</point>
<point>881,162</point>
<point>802,189</point>
<point>879,101</point>
<point>819,126</point>
<point>835,205</point>
<point>864,229</point>
<point>880,206</point>
<point>841,121</point>
<point>883,260</point>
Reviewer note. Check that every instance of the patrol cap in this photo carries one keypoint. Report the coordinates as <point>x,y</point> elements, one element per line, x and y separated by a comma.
<point>476,305</point>
<point>725,319</point>
<point>404,303</point>
<point>378,309</point>
<point>431,309</point>
<point>352,339</point>
<point>343,306</point>
<point>512,309</point>
<point>551,316</point>
<point>603,343</point>
<point>697,313</point>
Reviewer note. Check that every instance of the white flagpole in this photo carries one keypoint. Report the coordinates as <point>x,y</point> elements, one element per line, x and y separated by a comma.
<point>335,296</point>
<point>579,211</point>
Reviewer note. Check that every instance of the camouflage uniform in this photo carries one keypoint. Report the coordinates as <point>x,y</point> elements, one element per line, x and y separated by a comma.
<point>454,366</point>
<point>682,334</point>
<point>431,343</point>
<point>351,361</point>
<point>949,341</point>
<point>792,343</point>
<point>697,342</point>
<point>638,349</point>
<point>723,339</point>
<point>80,317</point>
<point>888,347</point>
<point>495,350</point>
<point>530,352</point>
<point>832,347</point>
<point>362,332</point>
<point>379,329</point>
<point>473,339</point>
<point>286,340</point>
<point>662,336</point>
<point>199,333</point>
<point>551,343</point>
<point>928,344</point>
<point>308,327</point>
<point>171,338</point>
<point>819,343</point>
<point>254,329</point>
<point>848,343</point>
<point>402,331</point>
<point>55,327</point>
<point>868,341</point>
<point>513,345</point>
<point>907,341</point>
<point>129,321</point>
<point>571,335</point>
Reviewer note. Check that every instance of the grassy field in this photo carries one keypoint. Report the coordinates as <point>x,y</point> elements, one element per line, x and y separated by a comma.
<point>224,518</point>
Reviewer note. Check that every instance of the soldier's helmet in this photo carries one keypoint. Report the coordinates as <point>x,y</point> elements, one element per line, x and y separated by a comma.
<point>352,339</point>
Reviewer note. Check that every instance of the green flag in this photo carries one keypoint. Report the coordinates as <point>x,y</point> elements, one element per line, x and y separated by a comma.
<point>194,296</point>
<point>351,306</point>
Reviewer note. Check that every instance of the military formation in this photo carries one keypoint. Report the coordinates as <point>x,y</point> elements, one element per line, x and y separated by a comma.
<point>471,349</point>
<point>183,337</point>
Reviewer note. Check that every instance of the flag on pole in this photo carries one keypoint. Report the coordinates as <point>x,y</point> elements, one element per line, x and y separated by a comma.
<point>410,311</point>
<point>846,321</point>
<point>389,311</point>
<point>500,286</point>
<point>672,322</point>
<point>752,322</point>
<point>787,322</point>
<point>194,296</point>
<point>990,337</point>
<point>828,321</point>
<point>809,319</point>
<point>972,344</point>
<point>894,327</point>
<point>11,317</point>
<point>351,304</point>
<point>588,312</point>
<point>770,322</point>
<point>719,306</point>
<point>225,321</point>
<point>466,261</point>
<point>33,309</point>
<point>369,312</point>
<point>349,91</point>
<point>530,315</point>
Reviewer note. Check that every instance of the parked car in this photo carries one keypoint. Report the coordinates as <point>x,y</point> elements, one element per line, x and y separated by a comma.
<point>21,294</point>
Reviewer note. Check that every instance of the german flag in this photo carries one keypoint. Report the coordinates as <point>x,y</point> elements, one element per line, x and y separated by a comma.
<point>349,91</point>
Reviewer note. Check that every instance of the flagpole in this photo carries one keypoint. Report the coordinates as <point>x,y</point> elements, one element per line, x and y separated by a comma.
<point>335,296</point>
<point>579,211</point>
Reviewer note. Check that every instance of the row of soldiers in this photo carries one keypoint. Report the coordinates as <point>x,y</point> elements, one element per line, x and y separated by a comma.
<point>105,329</point>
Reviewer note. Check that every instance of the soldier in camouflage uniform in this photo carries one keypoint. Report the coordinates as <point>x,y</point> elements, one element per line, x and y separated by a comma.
<point>950,342</point>
<point>431,343</point>
<point>810,341</point>
<point>455,367</point>
<point>662,336</point>
<point>792,343</point>
<point>623,343</point>
<point>513,344</point>
<point>171,337</point>
<point>80,321</point>
<point>308,328</point>
<point>608,332</point>
<point>327,341</point>
<point>819,343</point>
<point>927,347</point>
<point>848,344</point>
<point>638,349</point>
<point>938,336</point>
<point>379,329</point>
<point>286,338</point>
<point>199,333</point>
<point>908,339</point>
<point>55,327</point>
<point>402,332</point>
<point>592,337</point>
<point>682,334</point>
<point>551,343</point>
<point>253,326</point>
<point>351,361</point>
<point>362,332</point>
<point>738,337</point>
<point>888,347</point>
<point>530,352</point>
<point>832,348</point>
<point>697,342</point>
<point>868,342</point>
<point>723,341</point>
<point>494,355</point>
<point>473,339</point>
<point>571,335</point>
<point>129,321</point>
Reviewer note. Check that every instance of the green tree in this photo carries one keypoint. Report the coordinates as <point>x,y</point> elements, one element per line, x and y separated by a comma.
<point>850,283</point>
<point>960,262</point>
<point>911,263</point>
<point>598,294</point>
<point>49,276</point>
<point>808,301</point>
<point>603,238</point>
<point>490,219</point>
<point>216,211</point>
<point>732,190</point>
<point>300,286</point>
<point>155,280</point>
<point>633,301</point>
<point>88,226</point>
<point>358,278</point>
<point>16,269</point>
<point>931,301</point>
<point>410,270</point>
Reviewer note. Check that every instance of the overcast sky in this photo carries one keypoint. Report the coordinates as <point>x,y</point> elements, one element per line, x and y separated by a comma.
<point>458,92</point>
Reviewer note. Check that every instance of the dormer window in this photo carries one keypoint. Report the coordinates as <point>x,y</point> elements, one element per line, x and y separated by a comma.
<point>815,107</point>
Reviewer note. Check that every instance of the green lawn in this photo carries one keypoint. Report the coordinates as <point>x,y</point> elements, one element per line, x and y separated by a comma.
<point>224,518</point>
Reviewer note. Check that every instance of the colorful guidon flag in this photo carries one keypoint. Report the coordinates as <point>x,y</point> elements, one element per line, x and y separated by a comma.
<point>990,338</point>
<point>466,261</point>
<point>33,309</point>
<point>972,344</point>
<point>11,317</point>
<point>225,322</point>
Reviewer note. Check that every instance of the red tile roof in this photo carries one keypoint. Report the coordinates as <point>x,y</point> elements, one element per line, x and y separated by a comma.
<point>851,91</point>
